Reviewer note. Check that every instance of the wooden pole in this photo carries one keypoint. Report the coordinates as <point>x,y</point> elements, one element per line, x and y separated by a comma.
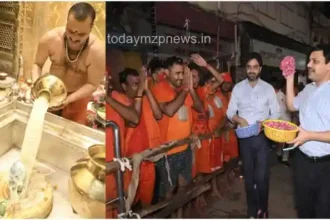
<point>149,153</point>
<point>154,208</point>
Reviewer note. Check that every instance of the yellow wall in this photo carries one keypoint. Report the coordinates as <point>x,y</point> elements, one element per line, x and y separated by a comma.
<point>36,18</point>
<point>132,60</point>
<point>117,60</point>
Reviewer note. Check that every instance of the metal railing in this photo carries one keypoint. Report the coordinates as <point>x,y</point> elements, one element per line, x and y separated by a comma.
<point>119,175</point>
<point>147,154</point>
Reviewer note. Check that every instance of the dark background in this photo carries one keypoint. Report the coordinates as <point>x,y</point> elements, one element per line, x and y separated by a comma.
<point>326,9</point>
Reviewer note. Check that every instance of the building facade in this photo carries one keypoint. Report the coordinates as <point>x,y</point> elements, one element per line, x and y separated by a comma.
<point>291,19</point>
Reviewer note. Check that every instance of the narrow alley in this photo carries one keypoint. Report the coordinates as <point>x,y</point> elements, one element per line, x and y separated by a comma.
<point>281,204</point>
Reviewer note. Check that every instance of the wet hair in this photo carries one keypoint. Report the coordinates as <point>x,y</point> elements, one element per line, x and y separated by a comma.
<point>155,65</point>
<point>123,75</point>
<point>82,11</point>
<point>325,48</point>
<point>169,62</point>
<point>254,55</point>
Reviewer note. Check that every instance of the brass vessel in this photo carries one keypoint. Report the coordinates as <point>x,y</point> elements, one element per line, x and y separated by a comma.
<point>3,76</point>
<point>52,87</point>
<point>87,184</point>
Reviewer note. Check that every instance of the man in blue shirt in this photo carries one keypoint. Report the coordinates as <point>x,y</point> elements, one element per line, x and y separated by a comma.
<point>253,100</point>
<point>311,161</point>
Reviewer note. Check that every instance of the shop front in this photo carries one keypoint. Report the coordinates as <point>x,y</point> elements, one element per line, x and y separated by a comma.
<point>273,47</point>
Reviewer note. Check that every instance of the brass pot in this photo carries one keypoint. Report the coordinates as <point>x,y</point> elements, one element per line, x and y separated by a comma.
<point>87,184</point>
<point>50,86</point>
<point>3,76</point>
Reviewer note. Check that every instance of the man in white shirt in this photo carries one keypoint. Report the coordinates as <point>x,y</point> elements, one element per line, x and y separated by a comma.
<point>311,161</point>
<point>254,100</point>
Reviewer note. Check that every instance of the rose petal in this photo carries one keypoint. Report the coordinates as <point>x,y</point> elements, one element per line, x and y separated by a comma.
<point>280,125</point>
<point>288,66</point>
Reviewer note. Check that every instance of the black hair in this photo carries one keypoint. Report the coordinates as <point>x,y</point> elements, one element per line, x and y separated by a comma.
<point>194,66</point>
<point>125,73</point>
<point>273,81</point>
<point>325,48</point>
<point>169,62</point>
<point>279,84</point>
<point>254,55</point>
<point>155,64</point>
<point>82,11</point>
<point>204,78</point>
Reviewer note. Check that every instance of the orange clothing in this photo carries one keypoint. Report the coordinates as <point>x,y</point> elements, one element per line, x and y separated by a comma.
<point>151,124</point>
<point>217,154</point>
<point>230,143</point>
<point>112,115</point>
<point>200,126</point>
<point>216,108</point>
<point>200,120</point>
<point>230,146</point>
<point>217,112</point>
<point>76,111</point>
<point>176,127</point>
<point>227,77</point>
<point>145,190</point>
<point>136,141</point>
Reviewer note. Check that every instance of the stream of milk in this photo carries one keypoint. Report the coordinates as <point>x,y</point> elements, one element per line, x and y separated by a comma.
<point>32,137</point>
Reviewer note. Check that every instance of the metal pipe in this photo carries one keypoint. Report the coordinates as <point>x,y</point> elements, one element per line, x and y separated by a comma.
<point>119,176</point>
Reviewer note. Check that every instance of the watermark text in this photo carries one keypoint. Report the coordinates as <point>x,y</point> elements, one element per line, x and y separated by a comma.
<point>158,40</point>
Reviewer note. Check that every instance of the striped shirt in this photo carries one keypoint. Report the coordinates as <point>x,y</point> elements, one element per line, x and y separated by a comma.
<point>254,104</point>
<point>313,104</point>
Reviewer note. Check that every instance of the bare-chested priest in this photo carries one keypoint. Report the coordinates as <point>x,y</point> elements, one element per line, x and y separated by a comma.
<point>77,58</point>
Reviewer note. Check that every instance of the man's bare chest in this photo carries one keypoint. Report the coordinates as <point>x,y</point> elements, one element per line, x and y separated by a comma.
<point>77,66</point>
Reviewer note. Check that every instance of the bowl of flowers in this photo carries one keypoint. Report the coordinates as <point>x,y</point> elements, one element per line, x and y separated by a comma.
<point>280,131</point>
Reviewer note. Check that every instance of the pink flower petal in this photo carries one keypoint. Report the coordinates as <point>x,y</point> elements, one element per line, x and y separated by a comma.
<point>288,66</point>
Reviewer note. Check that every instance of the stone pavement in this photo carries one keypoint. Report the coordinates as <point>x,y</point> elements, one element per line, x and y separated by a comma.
<point>281,203</point>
